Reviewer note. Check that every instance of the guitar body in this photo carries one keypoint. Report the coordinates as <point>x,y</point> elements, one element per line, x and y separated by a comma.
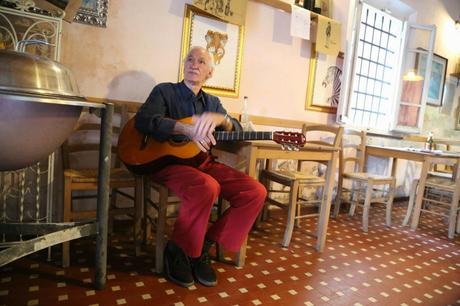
<point>143,157</point>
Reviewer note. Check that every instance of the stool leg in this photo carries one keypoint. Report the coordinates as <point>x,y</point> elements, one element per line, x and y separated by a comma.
<point>138,214</point>
<point>338,199</point>
<point>161,228</point>
<point>389,205</point>
<point>367,205</point>
<point>355,193</point>
<point>453,213</point>
<point>410,205</point>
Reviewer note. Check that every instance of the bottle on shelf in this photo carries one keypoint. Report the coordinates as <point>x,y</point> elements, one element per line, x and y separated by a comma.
<point>308,4</point>
<point>244,113</point>
<point>429,144</point>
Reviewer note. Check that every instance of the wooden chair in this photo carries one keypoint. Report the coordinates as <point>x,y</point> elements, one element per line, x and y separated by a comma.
<point>436,170</point>
<point>163,204</point>
<point>438,195</point>
<point>324,135</point>
<point>80,178</point>
<point>352,169</point>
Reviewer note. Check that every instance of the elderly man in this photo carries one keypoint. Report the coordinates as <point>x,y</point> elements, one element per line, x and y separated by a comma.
<point>187,253</point>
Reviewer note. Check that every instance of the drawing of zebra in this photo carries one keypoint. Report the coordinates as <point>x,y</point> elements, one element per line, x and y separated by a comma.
<point>333,77</point>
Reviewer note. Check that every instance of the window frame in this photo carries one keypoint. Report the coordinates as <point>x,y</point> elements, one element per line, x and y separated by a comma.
<point>406,13</point>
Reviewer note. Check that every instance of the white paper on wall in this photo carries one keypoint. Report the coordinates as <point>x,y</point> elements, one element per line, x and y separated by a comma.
<point>300,22</point>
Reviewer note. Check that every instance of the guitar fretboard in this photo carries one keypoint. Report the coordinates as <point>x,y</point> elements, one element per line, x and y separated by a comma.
<point>244,135</point>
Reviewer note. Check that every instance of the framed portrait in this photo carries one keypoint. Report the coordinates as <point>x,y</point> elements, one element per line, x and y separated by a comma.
<point>437,77</point>
<point>225,43</point>
<point>324,82</point>
<point>93,12</point>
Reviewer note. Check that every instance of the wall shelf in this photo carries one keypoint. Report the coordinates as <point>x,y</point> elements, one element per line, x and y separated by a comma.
<point>285,6</point>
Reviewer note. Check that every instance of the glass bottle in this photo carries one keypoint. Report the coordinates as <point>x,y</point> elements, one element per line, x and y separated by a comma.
<point>429,144</point>
<point>244,113</point>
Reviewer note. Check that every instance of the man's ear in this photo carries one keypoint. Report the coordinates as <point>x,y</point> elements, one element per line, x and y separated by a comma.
<point>211,71</point>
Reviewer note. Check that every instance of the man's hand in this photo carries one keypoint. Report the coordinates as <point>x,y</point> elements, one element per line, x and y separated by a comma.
<point>204,126</point>
<point>202,129</point>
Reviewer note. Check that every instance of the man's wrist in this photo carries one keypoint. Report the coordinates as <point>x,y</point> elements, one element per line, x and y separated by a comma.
<point>227,121</point>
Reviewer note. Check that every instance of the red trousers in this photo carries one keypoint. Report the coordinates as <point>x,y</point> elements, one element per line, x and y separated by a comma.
<point>198,189</point>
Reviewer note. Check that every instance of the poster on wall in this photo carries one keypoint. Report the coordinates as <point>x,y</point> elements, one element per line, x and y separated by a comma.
<point>328,36</point>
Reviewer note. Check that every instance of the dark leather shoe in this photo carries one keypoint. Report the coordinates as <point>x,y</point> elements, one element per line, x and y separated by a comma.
<point>177,265</point>
<point>201,267</point>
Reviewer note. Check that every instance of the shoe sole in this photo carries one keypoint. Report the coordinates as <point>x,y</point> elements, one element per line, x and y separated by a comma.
<point>171,278</point>
<point>206,283</point>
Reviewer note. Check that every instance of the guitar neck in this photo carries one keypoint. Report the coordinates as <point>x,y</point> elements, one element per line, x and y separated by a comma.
<point>244,135</point>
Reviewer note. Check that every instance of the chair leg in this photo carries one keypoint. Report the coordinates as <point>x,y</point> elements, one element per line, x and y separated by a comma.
<point>298,212</point>
<point>112,206</point>
<point>161,228</point>
<point>147,223</point>
<point>410,205</point>
<point>391,195</point>
<point>291,214</point>
<point>453,213</point>
<point>138,214</point>
<point>338,199</point>
<point>66,218</point>
<point>220,210</point>
<point>458,219</point>
<point>355,193</point>
<point>367,206</point>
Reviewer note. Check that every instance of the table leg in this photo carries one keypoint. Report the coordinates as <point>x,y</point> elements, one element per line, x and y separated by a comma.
<point>103,195</point>
<point>421,190</point>
<point>252,163</point>
<point>325,208</point>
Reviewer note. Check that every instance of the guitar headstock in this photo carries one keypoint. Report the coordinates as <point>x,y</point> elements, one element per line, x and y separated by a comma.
<point>289,140</point>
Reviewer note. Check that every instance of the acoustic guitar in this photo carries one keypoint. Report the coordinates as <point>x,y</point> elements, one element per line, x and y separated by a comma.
<point>142,154</point>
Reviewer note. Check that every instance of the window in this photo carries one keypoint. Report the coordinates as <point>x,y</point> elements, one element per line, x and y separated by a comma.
<point>380,55</point>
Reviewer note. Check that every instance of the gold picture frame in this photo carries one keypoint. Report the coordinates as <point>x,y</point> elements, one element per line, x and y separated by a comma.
<point>225,43</point>
<point>457,117</point>
<point>324,82</point>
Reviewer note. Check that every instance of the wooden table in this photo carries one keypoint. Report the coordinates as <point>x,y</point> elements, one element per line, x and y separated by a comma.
<point>268,150</point>
<point>413,154</point>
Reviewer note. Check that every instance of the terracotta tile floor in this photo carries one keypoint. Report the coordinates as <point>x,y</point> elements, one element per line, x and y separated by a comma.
<point>387,266</point>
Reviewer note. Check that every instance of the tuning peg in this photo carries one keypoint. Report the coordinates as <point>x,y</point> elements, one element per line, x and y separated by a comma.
<point>296,148</point>
<point>289,147</point>
<point>283,147</point>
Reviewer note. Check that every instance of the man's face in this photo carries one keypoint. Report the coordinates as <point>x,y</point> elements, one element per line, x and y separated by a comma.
<point>197,68</point>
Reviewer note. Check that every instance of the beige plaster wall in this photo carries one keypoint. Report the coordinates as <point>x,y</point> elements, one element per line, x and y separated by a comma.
<point>141,47</point>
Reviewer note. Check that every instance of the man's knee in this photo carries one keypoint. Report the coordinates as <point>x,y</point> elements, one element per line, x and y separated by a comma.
<point>259,192</point>
<point>207,186</point>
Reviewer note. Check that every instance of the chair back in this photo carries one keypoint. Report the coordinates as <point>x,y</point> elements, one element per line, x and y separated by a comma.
<point>321,134</point>
<point>326,135</point>
<point>448,146</point>
<point>353,150</point>
<point>80,150</point>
